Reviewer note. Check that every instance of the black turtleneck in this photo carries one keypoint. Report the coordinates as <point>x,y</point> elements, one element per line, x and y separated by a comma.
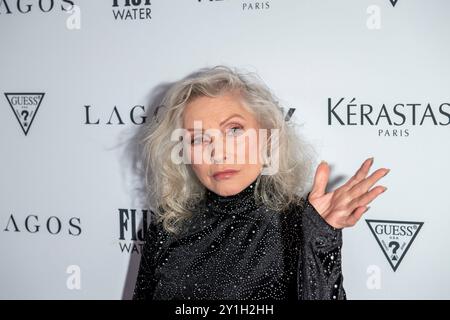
<point>234,248</point>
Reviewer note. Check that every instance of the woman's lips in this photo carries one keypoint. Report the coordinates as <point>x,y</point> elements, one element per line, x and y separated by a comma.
<point>226,174</point>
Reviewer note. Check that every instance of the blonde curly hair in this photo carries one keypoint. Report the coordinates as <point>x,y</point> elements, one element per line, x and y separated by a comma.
<point>174,190</point>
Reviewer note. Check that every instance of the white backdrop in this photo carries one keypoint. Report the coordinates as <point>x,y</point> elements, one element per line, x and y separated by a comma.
<point>78,81</point>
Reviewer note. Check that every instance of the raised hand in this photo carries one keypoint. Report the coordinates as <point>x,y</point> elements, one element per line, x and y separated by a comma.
<point>344,206</point>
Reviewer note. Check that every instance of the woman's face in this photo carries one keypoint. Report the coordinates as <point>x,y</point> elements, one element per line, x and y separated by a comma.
<point>234,126</point>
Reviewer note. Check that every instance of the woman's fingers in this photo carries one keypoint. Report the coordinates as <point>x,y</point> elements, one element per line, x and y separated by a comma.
<point>320,180</point>
<point>352,211</point>
<point>360,174</point>
<point>366,197</point>
<point>356,215</point>
<point>363,186</point>
<point>352,199</point>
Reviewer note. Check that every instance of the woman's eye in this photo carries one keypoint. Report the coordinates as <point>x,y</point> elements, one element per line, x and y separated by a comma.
<point>199,139</point>
<point>236,130</point>
<point>196,140</point>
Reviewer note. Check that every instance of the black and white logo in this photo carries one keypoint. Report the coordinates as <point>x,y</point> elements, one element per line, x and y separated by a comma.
<point>245,5</point>
<point>133,225</point>
<point>393,2</point>
<point>25,107</point>
<point>29,7</point>
<point>125,10</point>
<point>36,224</point>
<point>394,238</point>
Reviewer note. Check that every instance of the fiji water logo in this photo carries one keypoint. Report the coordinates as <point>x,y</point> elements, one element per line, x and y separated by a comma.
<point>133,225</point>
<point>394,238</point>
<point>132,10</point>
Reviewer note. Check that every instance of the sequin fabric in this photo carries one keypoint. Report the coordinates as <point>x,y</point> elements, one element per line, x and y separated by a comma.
<point>233,248</point>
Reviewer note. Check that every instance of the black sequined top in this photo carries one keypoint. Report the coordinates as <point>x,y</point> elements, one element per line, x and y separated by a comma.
<point>234,249</point>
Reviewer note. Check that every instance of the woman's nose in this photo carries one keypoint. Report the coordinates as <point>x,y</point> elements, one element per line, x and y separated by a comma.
<point>218,154</point>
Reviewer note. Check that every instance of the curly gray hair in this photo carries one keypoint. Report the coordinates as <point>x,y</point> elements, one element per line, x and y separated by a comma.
<point>174,189</point>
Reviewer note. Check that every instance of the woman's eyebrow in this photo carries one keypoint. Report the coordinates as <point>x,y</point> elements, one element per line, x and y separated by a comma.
<point>224,121</point>
<point>232,116</point>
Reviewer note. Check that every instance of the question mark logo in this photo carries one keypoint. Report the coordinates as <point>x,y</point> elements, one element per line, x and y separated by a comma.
<point>25,115</point>
<point>396,245</point>
<point>24,105</point>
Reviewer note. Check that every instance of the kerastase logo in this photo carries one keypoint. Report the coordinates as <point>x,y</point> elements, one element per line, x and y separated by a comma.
<point>394,238</point>
<point>25,107</point>
<point>389,119</point>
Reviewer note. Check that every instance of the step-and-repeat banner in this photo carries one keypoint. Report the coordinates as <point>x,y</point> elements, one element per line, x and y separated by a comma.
<point>78,80</point>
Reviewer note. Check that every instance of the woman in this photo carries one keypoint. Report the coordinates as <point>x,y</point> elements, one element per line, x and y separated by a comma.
<point>227,229</point>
